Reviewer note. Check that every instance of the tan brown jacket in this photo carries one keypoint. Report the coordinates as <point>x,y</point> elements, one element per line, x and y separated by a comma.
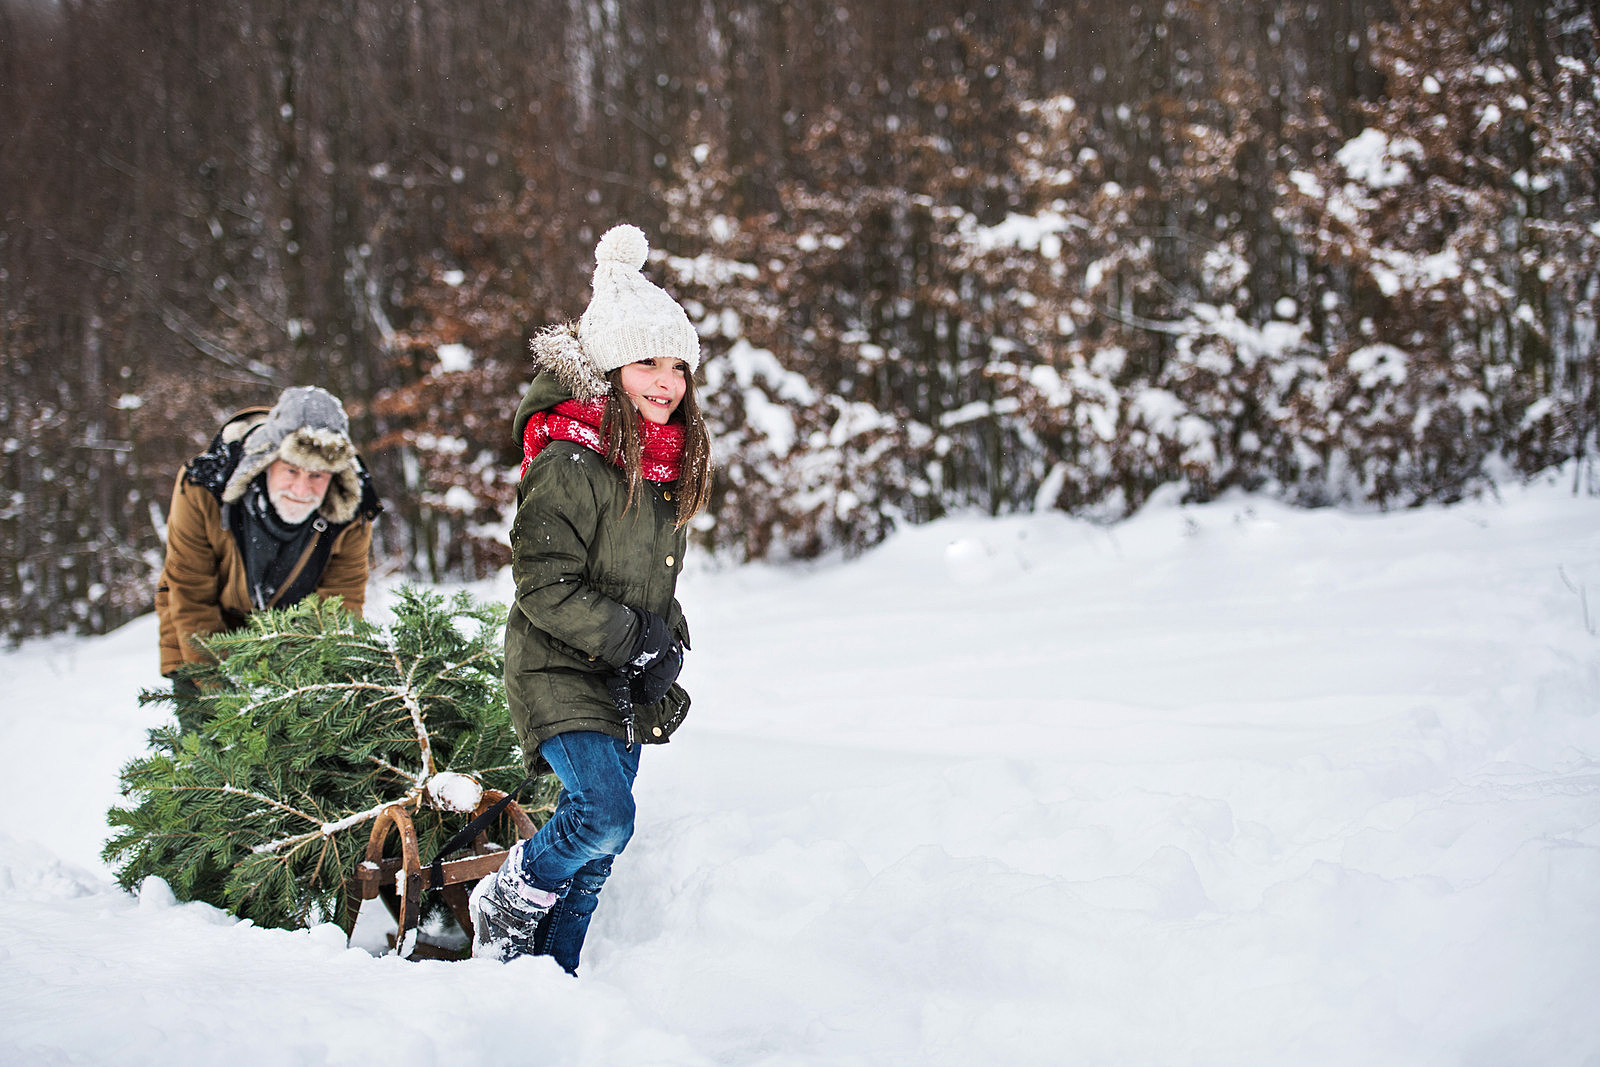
<point>203,588</point>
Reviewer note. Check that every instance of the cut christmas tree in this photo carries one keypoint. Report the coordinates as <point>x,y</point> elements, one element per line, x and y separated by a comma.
<point>311,724</point>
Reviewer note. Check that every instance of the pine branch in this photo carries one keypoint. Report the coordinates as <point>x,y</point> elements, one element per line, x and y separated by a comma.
<point>386,765</point>
<point>424,742</point>
<point>328,829</point>
<point>309,716</point>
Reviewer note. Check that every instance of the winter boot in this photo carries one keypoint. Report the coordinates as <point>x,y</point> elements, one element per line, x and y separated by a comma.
<point>506,911</point>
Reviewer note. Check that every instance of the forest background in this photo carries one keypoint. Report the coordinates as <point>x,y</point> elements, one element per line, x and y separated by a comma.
<point>943,256</point>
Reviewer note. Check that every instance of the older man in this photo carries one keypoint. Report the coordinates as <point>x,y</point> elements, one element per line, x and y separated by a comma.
<point>279,507</point>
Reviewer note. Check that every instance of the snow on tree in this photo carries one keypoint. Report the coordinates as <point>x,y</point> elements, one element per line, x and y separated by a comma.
<point>313,722</point>
<point>1457,233</point>
<point>805,462</point>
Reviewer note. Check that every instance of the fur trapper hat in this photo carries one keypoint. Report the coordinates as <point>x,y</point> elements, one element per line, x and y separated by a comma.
<point>308,428</point>
<point>628,318</point>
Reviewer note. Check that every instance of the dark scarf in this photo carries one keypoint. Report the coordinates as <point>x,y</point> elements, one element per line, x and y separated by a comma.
<point>271,547</point>
<point>579,421</point>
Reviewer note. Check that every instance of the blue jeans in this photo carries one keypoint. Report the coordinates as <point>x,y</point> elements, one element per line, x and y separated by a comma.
<point>571,854</point>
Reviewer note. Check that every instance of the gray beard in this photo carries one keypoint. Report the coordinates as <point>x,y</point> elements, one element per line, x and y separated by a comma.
<point>290,511</point>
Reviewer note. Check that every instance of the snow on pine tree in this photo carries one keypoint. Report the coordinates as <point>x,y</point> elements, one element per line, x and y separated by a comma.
<point>313,722</point>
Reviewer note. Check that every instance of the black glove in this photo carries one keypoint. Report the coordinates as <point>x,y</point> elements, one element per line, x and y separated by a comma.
<point>656,659</point>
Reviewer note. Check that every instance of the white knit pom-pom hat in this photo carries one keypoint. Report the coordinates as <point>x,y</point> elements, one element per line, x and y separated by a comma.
<point>629,319</point>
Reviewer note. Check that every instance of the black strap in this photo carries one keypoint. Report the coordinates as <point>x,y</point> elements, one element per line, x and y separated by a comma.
<point>471,830</point>
<point>305,582</point>
<point>620,686</point>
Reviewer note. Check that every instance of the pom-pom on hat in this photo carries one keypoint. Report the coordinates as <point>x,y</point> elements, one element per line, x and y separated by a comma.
<point>629,319</point>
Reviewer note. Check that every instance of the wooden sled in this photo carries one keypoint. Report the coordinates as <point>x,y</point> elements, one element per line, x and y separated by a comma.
<point>400,880</point>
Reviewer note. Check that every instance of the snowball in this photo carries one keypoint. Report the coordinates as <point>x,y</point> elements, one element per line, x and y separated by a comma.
<point>156,895</point>
<point>450,791</point>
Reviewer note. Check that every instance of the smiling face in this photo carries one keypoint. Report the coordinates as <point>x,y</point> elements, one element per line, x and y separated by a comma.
<point>655,386</point>
<point>294,491</point>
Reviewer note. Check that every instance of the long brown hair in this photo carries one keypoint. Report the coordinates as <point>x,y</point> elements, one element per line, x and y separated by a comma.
<point>620,431</point>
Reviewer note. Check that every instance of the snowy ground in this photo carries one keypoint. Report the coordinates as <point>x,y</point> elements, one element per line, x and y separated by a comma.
<point>1222,785</point>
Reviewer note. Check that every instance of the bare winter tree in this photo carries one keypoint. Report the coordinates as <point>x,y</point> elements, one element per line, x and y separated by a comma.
<point>942,256</point>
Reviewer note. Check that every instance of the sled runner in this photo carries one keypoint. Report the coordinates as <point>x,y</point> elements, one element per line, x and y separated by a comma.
<point>400,880</point>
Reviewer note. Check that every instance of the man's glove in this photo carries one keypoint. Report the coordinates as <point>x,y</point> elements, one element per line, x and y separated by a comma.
<point>655,660</point>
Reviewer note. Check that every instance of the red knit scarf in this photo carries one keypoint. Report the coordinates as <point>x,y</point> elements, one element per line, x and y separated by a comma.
<point>579,421</point>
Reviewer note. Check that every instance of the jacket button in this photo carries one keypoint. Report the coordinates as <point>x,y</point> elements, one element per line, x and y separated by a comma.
<point>669,561</point>
<point>666,495</point>
<point>656,730</point>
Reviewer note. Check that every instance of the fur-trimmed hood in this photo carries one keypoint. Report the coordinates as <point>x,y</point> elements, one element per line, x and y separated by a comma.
<point>557,349</point>
<point>561,372</point>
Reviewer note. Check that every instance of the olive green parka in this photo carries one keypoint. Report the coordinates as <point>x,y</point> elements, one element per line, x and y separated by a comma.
<point>581,556</point>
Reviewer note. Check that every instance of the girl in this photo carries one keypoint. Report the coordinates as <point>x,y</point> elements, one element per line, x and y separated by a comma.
<point>616,461</point>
